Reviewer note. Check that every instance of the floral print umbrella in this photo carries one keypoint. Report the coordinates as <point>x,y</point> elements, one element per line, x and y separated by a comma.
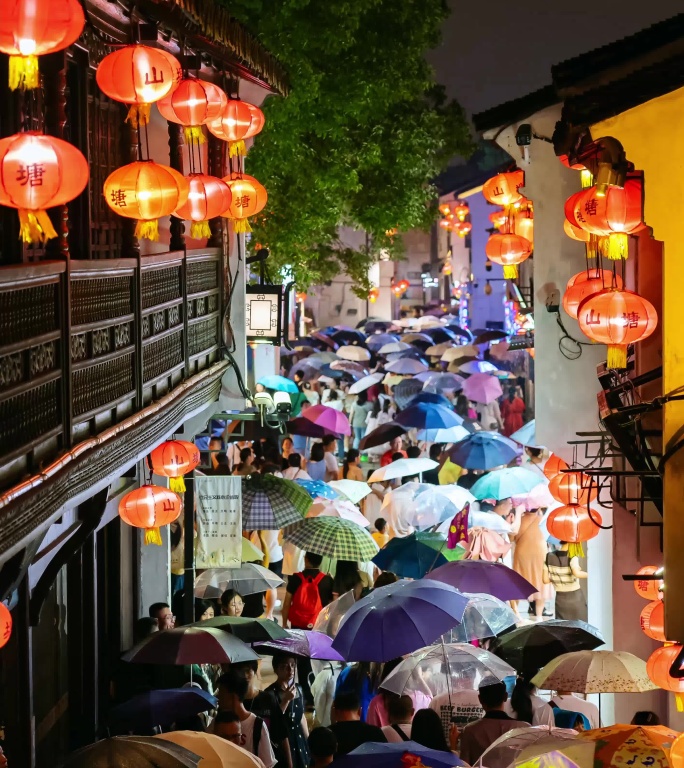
<point>595,672</point>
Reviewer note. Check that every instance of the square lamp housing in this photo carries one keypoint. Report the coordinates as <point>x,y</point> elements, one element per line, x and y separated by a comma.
<point>264,313</point>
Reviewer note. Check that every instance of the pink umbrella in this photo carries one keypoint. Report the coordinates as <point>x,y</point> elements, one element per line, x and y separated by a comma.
<point>538,498</point>
<point>337,508</point>
<point>482,388</point>
<point>332,421</point>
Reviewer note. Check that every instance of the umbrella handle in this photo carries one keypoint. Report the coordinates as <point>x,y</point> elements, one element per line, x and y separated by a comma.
<point>286,315</point>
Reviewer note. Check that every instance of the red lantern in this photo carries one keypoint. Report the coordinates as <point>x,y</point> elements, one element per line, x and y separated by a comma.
<point>463,228</point>
<point>460,210</point>
<point>5,624</point>
<point>652,621</point>
<point>499,219</point>
<point>300,297</point>
<point>573,524</point>
<point>193,103</point>
<point>145,190</point>
<point>617,318</point>
<point>658,668</point>
<point>554,465</point>
<point>447,224</point>
<point>509,251</point>
<point>258,121</point>
<point>586,283</point>
<point>373,295</point>
<point>31,29</point>
<point>445,209</point>
<point>234,125</point>
<point>39,172</point>
<point>573,488</point>
<point>502,189</point>
<point>400,288</point>
<point>649,589</point>
<point>208,197</point>
<point>138,75</point>
<point>575,232</point>
<point>248,198</point>
<point>150,507</point>
<point>173,459</point>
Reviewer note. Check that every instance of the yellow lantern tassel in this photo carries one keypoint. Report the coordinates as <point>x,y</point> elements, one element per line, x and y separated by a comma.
<point>679,698</point>
<point>35,226</point>
<point>149,230</point>
<point>237,148</point>
<point>200,230</point>
<point>241,225</point>
<point>615,246</point>
<point>575,550</point>
<point>194,133</point>
<point>138,114</point>
<point>510,271</point>
<point>617,356</point>
<point>586,178</point>
<point>152,536</point>
<point>592,247</point>
<point>23,72</point>
<point>177,484</point>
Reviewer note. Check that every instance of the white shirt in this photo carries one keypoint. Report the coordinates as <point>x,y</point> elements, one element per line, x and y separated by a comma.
<point>266,754</point>
<point>331,466</point>
<point>465,708</point>
<point>576,704</point>
<point>295,473</point>
<point>392,736</point>
<point>323,691</point>
<point>542,713</point>
<point>270,539</point>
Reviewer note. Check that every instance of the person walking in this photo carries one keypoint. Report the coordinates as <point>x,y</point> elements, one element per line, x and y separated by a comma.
<point>512,412</point>
<point>529,556</point>
<point>400,710</point>
<point>347,726</point>
<point>358,415</point>
<point>564,572</point>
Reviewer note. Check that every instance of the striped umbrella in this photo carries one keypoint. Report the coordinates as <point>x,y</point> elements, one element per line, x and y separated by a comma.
<point>333,537</point>
<point>270,503</point>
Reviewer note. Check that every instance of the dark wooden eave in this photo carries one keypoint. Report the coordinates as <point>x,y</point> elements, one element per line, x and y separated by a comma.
<point>515,110</point>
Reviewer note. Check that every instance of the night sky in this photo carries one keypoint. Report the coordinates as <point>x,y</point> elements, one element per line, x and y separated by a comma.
<point>497,50</point>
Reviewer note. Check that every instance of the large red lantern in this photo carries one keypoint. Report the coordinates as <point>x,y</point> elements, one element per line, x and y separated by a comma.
<point>193,103</point>
<point>658,669</point>
<point>138,75</point>
<point>145,191</point>
<point>575,233</point>
<point>39,172</point>
<point>5,625</point>
<point>652,620</point>
<point>173,459</point>
<point>235,124</point>
<point>248,198</point>
<point>649,589</point>
<point>258,121</point>
<point>31,28</point>
<point>554,465</point>
<point>509,250</point>
<point>502,189</point>
<point>586,283</point>
<point>573,488</point>
<point>617,318</point>
<point>575,525</point>
<point>150,507</point>
<point>208,198</point>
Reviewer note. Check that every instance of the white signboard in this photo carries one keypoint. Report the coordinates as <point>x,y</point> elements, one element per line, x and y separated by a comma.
<point>219,521</point>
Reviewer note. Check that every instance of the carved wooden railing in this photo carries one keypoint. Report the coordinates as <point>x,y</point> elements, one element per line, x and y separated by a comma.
<point>84,344</point>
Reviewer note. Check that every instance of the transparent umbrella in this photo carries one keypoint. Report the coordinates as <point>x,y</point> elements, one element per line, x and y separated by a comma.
<point>423,505</point>
<point>329,618</point>
<point>485,616</point>
<point>247,579</point>
<point>506,749</point>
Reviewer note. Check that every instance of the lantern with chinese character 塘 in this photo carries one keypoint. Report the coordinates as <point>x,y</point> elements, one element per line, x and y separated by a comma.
<point>574,524</point>
<point>649,589</point>
<point>208,197</point>
<point>150,507</point>
<point>509,251</point>
<point>573,488</point>
<point>39,172</point>
<point>617,318</point>
<point>138,75</point>
<point>554,465</point>
<point>652,621</point>
<point>586,283</point>
<point>502,189</point>
<point>173,459</point>
<point>658,668</point>
<point>5,624</point>
<point>460,210</point>
<point>29,29</point>
<point>463,228</point>
<point>146,191</point>
<point>248,198</point>
<point>523,221</point>
<point>236,123</point>
<point>193,103</point>
<point>373,295</point>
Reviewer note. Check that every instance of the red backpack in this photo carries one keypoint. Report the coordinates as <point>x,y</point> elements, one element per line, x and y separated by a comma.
<point>306,602</point>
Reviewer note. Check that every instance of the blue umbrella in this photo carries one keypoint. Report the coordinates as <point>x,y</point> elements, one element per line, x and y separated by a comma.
<point>406,366</point>
<point>430,397</point>
<point>318,488</point>
<point>398,619</point>
<point>378,755</point>
<point>484,450</point>
<point>411,557</point>
<point>279,383</point>
<point>527,435</point>
<point>377,340</point>
<point>162,708</point>
<point>504,483</point>
<point>326,370</point>
<point>428,416</point>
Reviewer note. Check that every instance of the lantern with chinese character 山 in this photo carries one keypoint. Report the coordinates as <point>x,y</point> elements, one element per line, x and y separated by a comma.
<point>150,507</point>
<point>193,103</point>
<point>236,123</point>
<point>173,459</point>
<point>575,233</point>
<point>509,251</point>
<point>138,75</point>
<point>5,624</point>
<point>573,488</point>
<point>586,283</point>
<point>463,228</point>
<point>248,198</point>
<point>658,668</point>
<point>145,190</point>
<point>373,295</point>
<point>460,210</point>
<point>617,318</point>
<point>39,172</point>
<point>649,589</point>
<point>502,189</point>
<point>652,621</point>
<point>574,524</point>
<point>208,197</point>
<point>31,29</point>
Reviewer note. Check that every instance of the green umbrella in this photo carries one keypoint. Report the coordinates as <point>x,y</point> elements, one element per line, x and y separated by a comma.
<point>246,629</point>
<point>332,536</point>
<point>270,503</point>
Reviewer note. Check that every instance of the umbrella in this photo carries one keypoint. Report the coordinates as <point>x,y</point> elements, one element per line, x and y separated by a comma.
<point>540,497</point>
<point>323,339</point>
<point>531,647</point>
<point>406,366</point>
<point>505,483</point>
<point>150,709</point>
<point>247,579</point>
<point>269,502</point>
<point>318,489</point>
<point>554,753</point>
<point>366,382</point>
<point>428,416</point>
<point>421,338</point>
<point>486,336</point>
<point>339,508</point>
<point>333,373</point>
<point>398,755</point>
<point>328,620</point>
<point>450,435</point>
<point>480,576</point>
<point>279,383</point>
<point>482,388</point>
<point>323,357</point>
<point>246,629</point>
<point>506,749</point>
<point>411,557</point>
<point>348,336</point>
<point>378,340</point>
<point>526,435</point>
<point>621,745</point>
<point>402,468</point>
<point>334,422</point>
<point>456,666</point>
<point>478,366</point>
<point>250,552</point>
<point>438,350</point>
<point>381,435</point>
<point>306,643</point>
<point>443,382</point>
<point>595,672</point>
<point>440,334</point>
<point>333,537</point>
<point>485,616</point>
<point>456,353</point>
<point>133,751</point>
<point>453,366</point>
<point>305,427</point>
<point>348,366</point>
<point>214,751</point>
<point>393,346</point>
<point>463,332</point>
<point>354,490</point>
<point>405,391</point>
<point>430,397</point>
<point>484,450</point>
<point>413,354</point>
<point>398,619</point>
<point>190,645</point>
<point>424,505</point>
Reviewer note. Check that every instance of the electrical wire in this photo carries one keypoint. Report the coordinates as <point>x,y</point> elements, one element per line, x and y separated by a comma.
<point>569,346</point>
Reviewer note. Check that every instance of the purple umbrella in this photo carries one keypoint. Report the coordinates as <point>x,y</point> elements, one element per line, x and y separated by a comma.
<point>331,420</point>
<point>406,367</point>
<point>303,642</point>
<point>483,577</point>
<point>377,340</point>
<point>482,388</point>
<point>398,619</point>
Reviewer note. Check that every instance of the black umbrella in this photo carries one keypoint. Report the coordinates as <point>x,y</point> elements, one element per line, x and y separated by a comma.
<point>405,390</point>
<point>348,336</point>
<point>487,336</point>
<point>382,434</point>
<point>440,335</point>
<point>532,647</point>
<point>246,629</point>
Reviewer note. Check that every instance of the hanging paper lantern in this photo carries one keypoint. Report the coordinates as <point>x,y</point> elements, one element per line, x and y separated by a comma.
<point>193,103</point>
<point>652,620</point>
<point>649,589</point>
<point>523,222</point>
<point>39,172</point>
<point>463,228</point>
<point>448,224</point>
<point>146,191</point>
<point>234,125</point>
<point>586,283</point>
<point>573,488</point>
<point>173,459</point>
<point>658,669</point>
<point>617,318</point>
<point>373,295</point>
<point>575,232</point>
<point>138,75</point>
<point>554,465</point>
<point>585,174</point>
<point>509,251</point>
<point>499,219</point>
<point>460,210</point>
<point>258,121</point>
<point>248,198</point>
<point>574,524</point>
<point>502,189</point>
<point>447,268</point>
<point>31,28</point>
<point>5,625</point>
<point>445,209</point>
<point>208,197</point>
<point>150,507</point>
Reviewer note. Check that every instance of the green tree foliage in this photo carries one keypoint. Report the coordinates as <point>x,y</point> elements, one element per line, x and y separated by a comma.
<point>359,137</point>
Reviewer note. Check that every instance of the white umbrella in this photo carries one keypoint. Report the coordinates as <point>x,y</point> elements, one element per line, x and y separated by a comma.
<point>337,508</point>
<point>354,490</point>
<point>331,615</point>
<point>527,435</point>
<point>428,321</point>
<point>449,435</point>
<point>505,750</point>
<point>245,579</point>
<point>365,383</point>
<point>402,468</point>
<point>423,505</point>
<point>406,322</point>
<point>354,353</point>
<point>394,346</point>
